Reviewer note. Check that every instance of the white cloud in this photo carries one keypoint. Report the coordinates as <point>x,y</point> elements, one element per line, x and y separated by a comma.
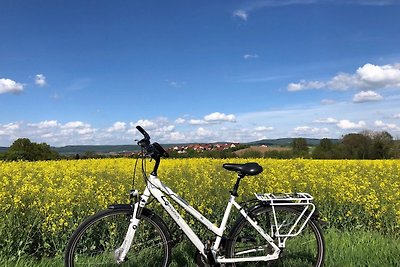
<point>202,132</point>
<point>366,96</point>
<point>163,129</point>
<point>263,128</point>
<point>75,125</point>
<point>310,131</point>
<point>10,86</point>
<point>160,129</point>
<point>219,117</point>
<point>348,125</point>
<point>307,120</point>
<point>343,82</point>
<point>386,126</point>
<point>84,130</point>
<point>367,77</point>
<point>197,122</point>
<point>9,128</point>
<point>49,131</point>
<point>213,118</point>
<point>146,124</point>
<point>304,85</point>
<point>180,121</point>
<point>117,127</point>
<point>40,80</point>
<point>241,14</point>
<point>177,136</point>
<point>250,56</point>
<point>327,120</point>
<point>389,127</point>
<point>380,76</point>
<point>45,124</point>
<point>56,133</point>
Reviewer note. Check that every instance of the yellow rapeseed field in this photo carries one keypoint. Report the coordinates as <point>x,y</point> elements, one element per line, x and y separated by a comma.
<point>41,203</point>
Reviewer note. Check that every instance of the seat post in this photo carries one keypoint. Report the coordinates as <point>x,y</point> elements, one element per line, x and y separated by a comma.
<point>236,186</point>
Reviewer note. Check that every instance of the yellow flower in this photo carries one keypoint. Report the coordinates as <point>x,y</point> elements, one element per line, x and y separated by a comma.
<point>55,196</point>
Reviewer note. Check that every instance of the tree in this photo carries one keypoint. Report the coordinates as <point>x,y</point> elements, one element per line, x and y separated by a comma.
<point>382,143</point>
<point>395,149</point>
<point>300,147</point>
<point>24,149</point>
<point>324,150</point>
<point>356,146</point>
<point>326,144</point>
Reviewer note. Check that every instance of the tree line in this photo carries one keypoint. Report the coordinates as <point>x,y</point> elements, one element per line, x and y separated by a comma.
<point>24,149</point>
<point>364,145</point>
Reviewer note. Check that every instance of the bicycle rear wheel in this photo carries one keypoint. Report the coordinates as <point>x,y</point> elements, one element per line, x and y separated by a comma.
<point>306,249</point>
<point>96,239</point>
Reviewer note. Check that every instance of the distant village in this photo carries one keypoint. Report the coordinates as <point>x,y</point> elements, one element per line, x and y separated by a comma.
<point>203,147</point>
<point>183,149</point>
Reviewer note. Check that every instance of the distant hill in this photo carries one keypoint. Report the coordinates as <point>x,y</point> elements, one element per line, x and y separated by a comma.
<point>105,149</point>
<point>288,142</point>
<point>98,149</point>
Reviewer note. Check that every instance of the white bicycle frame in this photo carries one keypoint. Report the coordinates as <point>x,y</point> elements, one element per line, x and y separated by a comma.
<point>156,188</point>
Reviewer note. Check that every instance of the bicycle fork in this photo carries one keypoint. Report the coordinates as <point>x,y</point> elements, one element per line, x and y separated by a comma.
<point>121,252</point>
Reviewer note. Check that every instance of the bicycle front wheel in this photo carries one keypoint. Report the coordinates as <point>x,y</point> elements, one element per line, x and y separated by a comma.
<point>95,241</point>
<point>305,249</point>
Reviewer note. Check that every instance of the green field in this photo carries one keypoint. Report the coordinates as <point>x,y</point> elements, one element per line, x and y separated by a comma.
<point>344,249</point>
<point>43,202</point>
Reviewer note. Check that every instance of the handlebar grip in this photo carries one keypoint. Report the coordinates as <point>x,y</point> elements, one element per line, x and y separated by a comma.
<point>142,131</point>
<point>161,151</point>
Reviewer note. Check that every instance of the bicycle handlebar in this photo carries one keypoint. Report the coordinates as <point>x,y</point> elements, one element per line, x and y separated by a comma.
<point>155,150</point>
<point>142,131</point>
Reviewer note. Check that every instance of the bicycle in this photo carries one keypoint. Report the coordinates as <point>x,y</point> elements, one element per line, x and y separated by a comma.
<point>277,230</point>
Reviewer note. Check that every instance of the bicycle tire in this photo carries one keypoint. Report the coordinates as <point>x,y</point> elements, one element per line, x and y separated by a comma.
<point>306,249</point>
<point>94,242</point>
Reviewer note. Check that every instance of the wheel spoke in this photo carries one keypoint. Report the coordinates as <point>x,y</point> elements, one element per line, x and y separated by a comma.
<point>95,242</point>
<point>305,249</point>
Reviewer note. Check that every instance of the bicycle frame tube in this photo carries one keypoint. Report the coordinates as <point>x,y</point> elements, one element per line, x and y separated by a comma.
<point>267,237</point>
<point>156,188</point>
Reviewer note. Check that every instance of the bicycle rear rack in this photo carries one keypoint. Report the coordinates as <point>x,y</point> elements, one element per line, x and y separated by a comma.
<point>299,198</point>
<point>302,202</point>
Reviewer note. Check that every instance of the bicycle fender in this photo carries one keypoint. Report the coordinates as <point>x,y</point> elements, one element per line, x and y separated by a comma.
<point>120,207</point>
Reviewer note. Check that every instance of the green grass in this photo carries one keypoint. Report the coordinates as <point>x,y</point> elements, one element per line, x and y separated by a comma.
<point>343,249</point>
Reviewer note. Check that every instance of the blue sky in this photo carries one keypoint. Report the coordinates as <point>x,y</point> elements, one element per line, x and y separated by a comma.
<point>88,72</point>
